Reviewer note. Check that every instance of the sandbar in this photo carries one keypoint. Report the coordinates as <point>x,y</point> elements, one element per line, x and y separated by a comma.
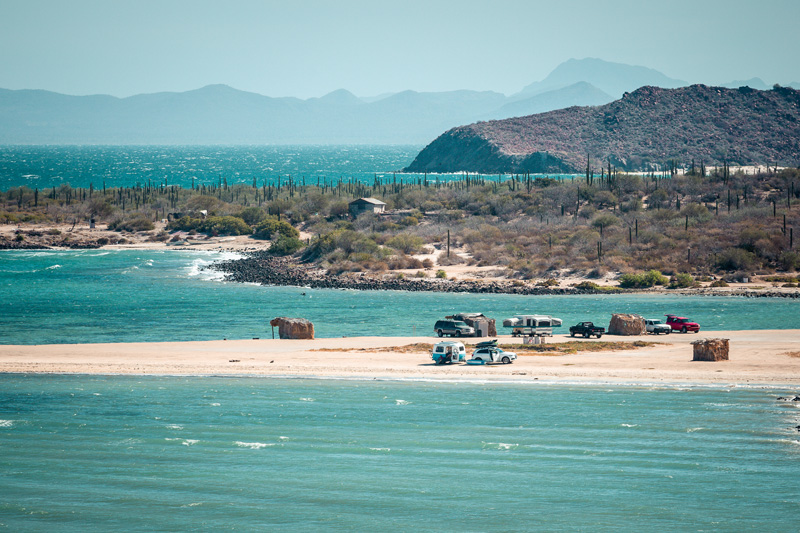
<point>757,358</point>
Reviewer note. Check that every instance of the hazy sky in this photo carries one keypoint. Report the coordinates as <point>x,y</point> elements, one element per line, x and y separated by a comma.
<point>309,48</point>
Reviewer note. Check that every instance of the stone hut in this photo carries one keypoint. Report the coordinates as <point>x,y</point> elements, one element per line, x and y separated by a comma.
<point>710,350</point>
<point>366,205</point>
<point>293,328</point>
<point>625,324</point>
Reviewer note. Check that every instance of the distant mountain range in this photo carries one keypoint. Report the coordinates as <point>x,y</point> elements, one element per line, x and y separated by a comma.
<point>646,127</point>
<point>218,114</point>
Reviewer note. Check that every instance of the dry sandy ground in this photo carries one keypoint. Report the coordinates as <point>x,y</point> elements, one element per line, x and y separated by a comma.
<point>768,357</point>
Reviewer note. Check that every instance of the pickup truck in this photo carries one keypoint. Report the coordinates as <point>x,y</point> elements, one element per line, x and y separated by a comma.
<point>587,329</point>
<point>682,324</point>
<point>656,327</point>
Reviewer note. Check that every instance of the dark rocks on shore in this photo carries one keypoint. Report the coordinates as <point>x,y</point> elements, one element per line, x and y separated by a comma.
<point>262,268</point>
<point>265,269</point>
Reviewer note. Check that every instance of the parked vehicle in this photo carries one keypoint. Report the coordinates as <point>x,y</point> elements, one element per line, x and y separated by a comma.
<point>532,325</point>
<point>656,327</point>
<point>488,352</point>
<point>682,324</point>
<point>448,352</point>
<point>455,328</point>
<point>587,329</point>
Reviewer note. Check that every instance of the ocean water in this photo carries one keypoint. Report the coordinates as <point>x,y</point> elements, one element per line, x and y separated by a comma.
<point>79,296</point>
<point>125,166</point>
<point>84,453</point>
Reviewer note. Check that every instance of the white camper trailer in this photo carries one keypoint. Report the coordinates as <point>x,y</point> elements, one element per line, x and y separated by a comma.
<point>532,325</point>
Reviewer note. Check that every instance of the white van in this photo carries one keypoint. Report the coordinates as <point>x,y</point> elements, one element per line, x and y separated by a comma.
<point>448,352</point>
<point>532,325</point>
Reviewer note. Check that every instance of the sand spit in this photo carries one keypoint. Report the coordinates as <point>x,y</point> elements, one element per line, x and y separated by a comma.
<point>757,358</point>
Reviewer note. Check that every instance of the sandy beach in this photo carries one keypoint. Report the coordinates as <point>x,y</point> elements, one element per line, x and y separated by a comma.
<point>757,358</point>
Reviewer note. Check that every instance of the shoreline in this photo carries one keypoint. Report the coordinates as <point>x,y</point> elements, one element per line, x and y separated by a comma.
<point>258,267</point>
<point>758,358</point>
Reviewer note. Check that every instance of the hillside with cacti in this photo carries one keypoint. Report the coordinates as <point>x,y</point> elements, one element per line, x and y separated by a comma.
<point>648,129</point>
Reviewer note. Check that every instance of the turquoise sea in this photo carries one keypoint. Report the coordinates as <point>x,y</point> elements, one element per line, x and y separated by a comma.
<point>109,453</point>
<point>81,453</point>
<point>52,297</point>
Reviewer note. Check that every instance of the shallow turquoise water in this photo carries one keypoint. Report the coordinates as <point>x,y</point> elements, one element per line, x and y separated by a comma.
<point>49,297</point>
<point>82,453</point>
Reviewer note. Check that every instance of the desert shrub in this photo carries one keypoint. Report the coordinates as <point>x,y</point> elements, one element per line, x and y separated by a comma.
<point>133,224</point>
<point>284,245</point>
<point>427,263</point>
<point>718,283</point>
<point>605,220</point>
<point>789,261</point>
<point>227,225</point>
<point>409,221</point>
<point>454,259</point>
<point>632,205</point>
<point>408,244</point>
<point>587,285</point>
<point>681,281</point>
<point>271,227</point>
<point>252,215</point>
<point>642,280</point>
<point>441,274</point>
<point>420,274</point>
<point>547,283</point>
<point>734,259</point>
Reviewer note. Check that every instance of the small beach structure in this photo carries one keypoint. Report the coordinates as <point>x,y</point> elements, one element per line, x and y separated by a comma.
<point>366,205</point>
<point>483,325</point>
<point>626,324</point>
<point>292,328</point>
<point>710,350</point>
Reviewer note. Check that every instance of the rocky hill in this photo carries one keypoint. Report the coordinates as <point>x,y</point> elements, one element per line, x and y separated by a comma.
<point>646,127</point>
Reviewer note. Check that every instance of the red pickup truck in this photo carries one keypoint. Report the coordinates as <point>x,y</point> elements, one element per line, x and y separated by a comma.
<point>682,324</point>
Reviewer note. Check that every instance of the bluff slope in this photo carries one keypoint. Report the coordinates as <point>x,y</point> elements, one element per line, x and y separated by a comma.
<point>645,127</point>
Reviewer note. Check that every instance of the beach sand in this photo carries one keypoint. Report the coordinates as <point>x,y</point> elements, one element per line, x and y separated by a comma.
<point>757,358</point>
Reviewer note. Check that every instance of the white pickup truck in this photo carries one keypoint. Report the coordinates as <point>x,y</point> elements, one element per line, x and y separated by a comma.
<point>655,326</point>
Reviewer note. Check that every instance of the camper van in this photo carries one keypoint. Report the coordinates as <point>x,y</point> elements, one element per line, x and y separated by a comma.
<point>532,325</point>
<point>448,352</point>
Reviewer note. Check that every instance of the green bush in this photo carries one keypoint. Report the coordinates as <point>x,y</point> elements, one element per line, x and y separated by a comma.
<point>227,225</point>
<point>252,215</point>
<point>284,245</point>
<point>682,281</point>
<point>642,280</point>
<point>441,274</point>
<point>734,259</point>
<point>408,244</point>
<point>271,227</point>
<point>718,283</point>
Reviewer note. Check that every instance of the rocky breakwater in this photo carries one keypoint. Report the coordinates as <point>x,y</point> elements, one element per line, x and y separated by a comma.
<point>262,268</point>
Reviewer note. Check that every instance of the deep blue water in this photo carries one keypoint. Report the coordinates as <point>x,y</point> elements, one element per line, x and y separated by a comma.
<point>82,453</point>
<point>51,297</point>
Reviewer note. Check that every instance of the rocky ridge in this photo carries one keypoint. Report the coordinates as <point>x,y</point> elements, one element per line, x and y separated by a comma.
<point>646,127</point>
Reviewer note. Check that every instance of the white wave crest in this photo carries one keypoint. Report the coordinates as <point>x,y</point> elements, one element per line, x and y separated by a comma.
<point>252,445</point>
<point>401,402</point>
<point>629,425</point>
<point>306,399</point>
<point>6,423</point>
<point>174,426</point>
<point>189,442</point>
<point>53,267</point>
<point>499,446</point>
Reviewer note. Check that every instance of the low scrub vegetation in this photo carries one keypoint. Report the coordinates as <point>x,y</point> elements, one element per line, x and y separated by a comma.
<point>663,229</point>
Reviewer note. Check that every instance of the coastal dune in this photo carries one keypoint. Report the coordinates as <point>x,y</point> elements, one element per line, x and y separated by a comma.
<point>764,357</point>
